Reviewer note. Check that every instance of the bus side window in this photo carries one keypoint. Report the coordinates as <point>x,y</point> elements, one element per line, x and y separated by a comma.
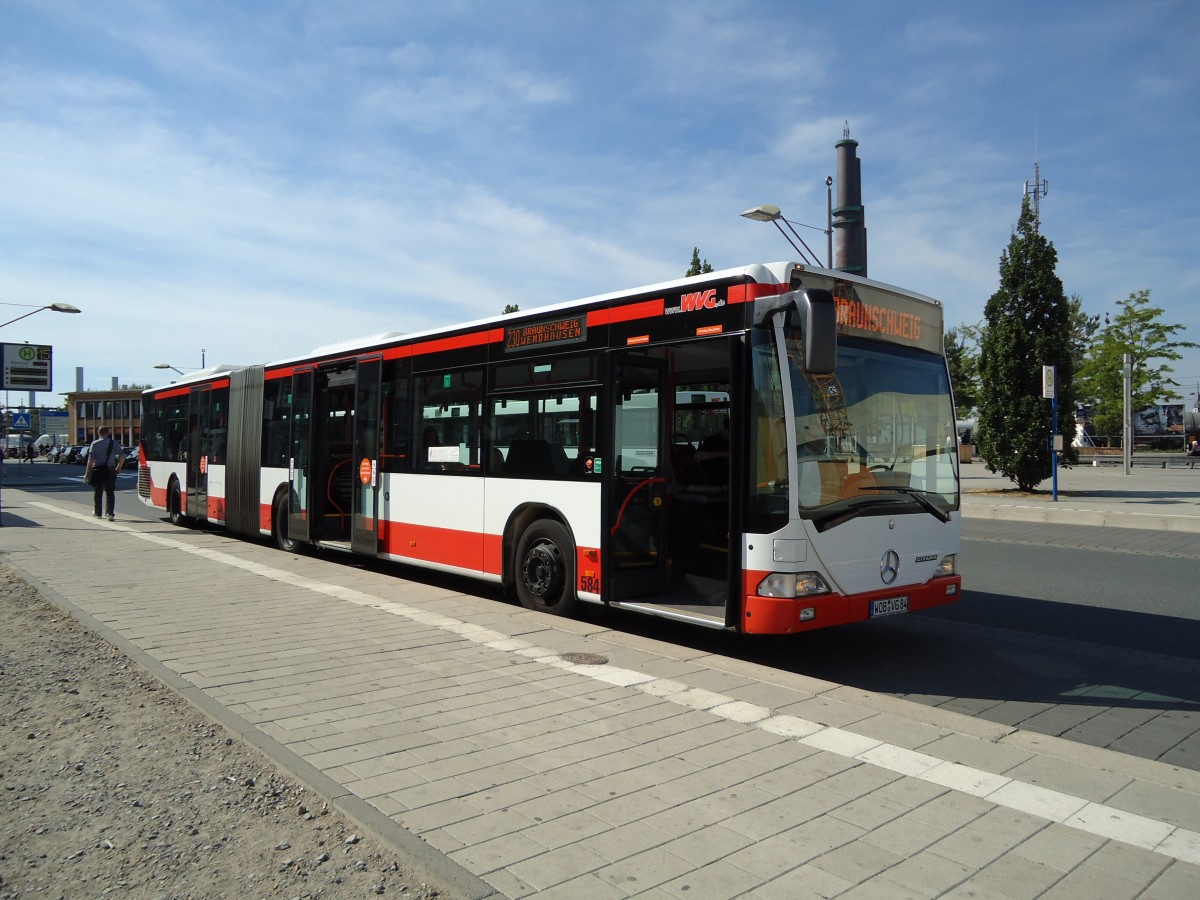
<point>447,425</point>
<point>397,410</point>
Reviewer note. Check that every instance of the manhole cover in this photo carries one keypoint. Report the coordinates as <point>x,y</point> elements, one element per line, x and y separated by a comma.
<point>585,659</point>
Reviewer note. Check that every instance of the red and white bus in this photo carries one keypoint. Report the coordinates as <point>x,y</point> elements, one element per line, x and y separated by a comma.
<point>766,449</point>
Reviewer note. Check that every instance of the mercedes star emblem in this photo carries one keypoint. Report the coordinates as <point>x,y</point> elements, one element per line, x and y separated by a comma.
<point>889,566</point>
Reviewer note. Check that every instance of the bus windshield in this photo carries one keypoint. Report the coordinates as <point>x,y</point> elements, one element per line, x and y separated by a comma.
<point>875,438</point>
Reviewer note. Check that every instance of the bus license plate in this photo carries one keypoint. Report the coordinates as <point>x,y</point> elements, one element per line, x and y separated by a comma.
<point>892,606</point>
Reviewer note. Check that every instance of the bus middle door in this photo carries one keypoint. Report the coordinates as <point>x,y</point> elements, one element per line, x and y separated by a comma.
<point>300,455</point>
<point>367,527</point>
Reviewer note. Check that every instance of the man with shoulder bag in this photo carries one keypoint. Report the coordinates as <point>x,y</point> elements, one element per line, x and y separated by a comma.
<point>103,464</point>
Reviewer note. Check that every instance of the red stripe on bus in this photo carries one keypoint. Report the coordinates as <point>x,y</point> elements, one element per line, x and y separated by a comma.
<point>491,336</point>
<point>745,293</point>
<point>645,310</point>
<point>174,392</point>
<point>447,546</point>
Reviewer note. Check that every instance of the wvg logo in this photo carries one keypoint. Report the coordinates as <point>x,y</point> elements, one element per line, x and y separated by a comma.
<point>696,301</point>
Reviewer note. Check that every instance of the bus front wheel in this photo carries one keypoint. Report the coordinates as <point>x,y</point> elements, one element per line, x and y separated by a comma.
<point>175,505</point>
<point>545,568</point>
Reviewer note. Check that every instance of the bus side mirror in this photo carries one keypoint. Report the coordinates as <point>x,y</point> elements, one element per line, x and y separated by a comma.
<point>816,315</point>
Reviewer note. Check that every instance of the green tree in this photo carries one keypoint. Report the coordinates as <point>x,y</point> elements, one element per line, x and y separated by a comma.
<point>1028,325</point>
<point>511,308</point>
<point>1136,330</point>
<point>697,267</point>
<point>962,356</point>
<point>1083,327</point>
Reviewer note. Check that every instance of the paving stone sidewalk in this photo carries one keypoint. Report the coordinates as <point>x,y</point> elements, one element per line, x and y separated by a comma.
<point>494,741</point>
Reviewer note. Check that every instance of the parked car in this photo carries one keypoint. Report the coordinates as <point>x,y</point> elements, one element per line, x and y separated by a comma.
<point>132,455</point>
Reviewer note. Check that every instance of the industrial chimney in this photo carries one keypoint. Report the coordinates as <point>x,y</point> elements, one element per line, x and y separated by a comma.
<point>849,219</point>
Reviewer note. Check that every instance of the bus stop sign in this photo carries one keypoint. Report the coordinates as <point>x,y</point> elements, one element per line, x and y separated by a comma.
<point>26,367</point>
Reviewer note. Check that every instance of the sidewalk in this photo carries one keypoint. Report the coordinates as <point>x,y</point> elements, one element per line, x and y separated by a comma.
<point>1163,499</point>
<point>515,755</point>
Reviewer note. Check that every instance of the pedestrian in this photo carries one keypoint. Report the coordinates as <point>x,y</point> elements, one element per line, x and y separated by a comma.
<point>103,464</point>
<point>29,453</point>
<point>1194,451</point>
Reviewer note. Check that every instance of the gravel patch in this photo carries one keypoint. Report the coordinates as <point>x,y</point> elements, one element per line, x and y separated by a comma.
<point>113,785</point>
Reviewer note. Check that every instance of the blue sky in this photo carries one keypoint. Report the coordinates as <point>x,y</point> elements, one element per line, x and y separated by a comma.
<point>251,180</point>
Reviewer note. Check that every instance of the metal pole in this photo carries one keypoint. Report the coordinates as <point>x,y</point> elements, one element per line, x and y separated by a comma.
<point>1053,435</point>
<point>1127,437</point>
<point>829,221</point>
<point>3,453</point>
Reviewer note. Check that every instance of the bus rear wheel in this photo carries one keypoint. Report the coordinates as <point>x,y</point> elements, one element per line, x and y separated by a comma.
<point>279,526</point>
<point>545,569</point>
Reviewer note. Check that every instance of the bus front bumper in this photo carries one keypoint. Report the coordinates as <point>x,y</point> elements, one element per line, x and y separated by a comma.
<point>789,615</point>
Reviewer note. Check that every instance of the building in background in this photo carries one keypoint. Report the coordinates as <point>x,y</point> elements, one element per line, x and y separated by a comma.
<point>118,408</point>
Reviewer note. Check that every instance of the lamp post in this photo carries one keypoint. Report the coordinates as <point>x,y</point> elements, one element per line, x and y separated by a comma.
<point>53,307</point>
<point>169,366</point>
<point>769,212</point>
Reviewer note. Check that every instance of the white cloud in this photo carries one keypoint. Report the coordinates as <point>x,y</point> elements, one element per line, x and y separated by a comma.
<point>309,173</point>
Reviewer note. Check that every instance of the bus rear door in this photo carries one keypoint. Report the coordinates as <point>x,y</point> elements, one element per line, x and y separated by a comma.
<point>199,409</point>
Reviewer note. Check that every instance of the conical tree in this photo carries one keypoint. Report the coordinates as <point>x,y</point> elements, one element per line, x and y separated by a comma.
<point>697,267</point>
<point>1028,326</point>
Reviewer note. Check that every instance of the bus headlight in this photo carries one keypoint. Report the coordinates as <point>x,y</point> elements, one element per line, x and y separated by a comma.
<point>792,584</point>
<point>946,566</point>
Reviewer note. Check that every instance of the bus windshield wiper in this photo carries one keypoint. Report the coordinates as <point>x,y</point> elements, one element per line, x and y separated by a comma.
<point>922,497</point>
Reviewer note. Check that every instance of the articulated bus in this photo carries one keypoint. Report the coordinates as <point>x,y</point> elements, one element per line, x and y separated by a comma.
<point>767,450</point>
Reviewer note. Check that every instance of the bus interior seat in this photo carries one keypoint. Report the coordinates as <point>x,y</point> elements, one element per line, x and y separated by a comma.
<point>688,470</point>
<point>530,458</point>
<point>856,482</point>
<point>558,458</point>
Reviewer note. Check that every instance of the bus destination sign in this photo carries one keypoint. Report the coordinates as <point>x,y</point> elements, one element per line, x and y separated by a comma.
<point>571,330</point>
<point>27,367</point>
<point>888,316</point>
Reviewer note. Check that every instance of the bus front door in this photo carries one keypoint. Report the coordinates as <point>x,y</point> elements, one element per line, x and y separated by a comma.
<point>366,529</point>
<point>637,555</point>
<point>300,456</point>
<point>199,408</point>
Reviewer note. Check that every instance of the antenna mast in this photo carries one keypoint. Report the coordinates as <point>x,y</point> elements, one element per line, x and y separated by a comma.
<point>1037,188</point>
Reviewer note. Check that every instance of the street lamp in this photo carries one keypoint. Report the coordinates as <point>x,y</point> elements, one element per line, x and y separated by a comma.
<point>769,212</point>
<point>54,307</point>
<point>169,366</point>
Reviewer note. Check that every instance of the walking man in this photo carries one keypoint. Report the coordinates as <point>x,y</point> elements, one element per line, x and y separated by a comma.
<point>103,464</point>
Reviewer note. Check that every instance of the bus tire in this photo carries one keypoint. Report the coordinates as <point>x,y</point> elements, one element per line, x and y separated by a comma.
<point>175,506</point>
<point>279,526</point>
<point>545,569</point>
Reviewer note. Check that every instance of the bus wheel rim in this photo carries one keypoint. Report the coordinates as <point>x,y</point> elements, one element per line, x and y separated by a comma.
<point>543,570</point>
